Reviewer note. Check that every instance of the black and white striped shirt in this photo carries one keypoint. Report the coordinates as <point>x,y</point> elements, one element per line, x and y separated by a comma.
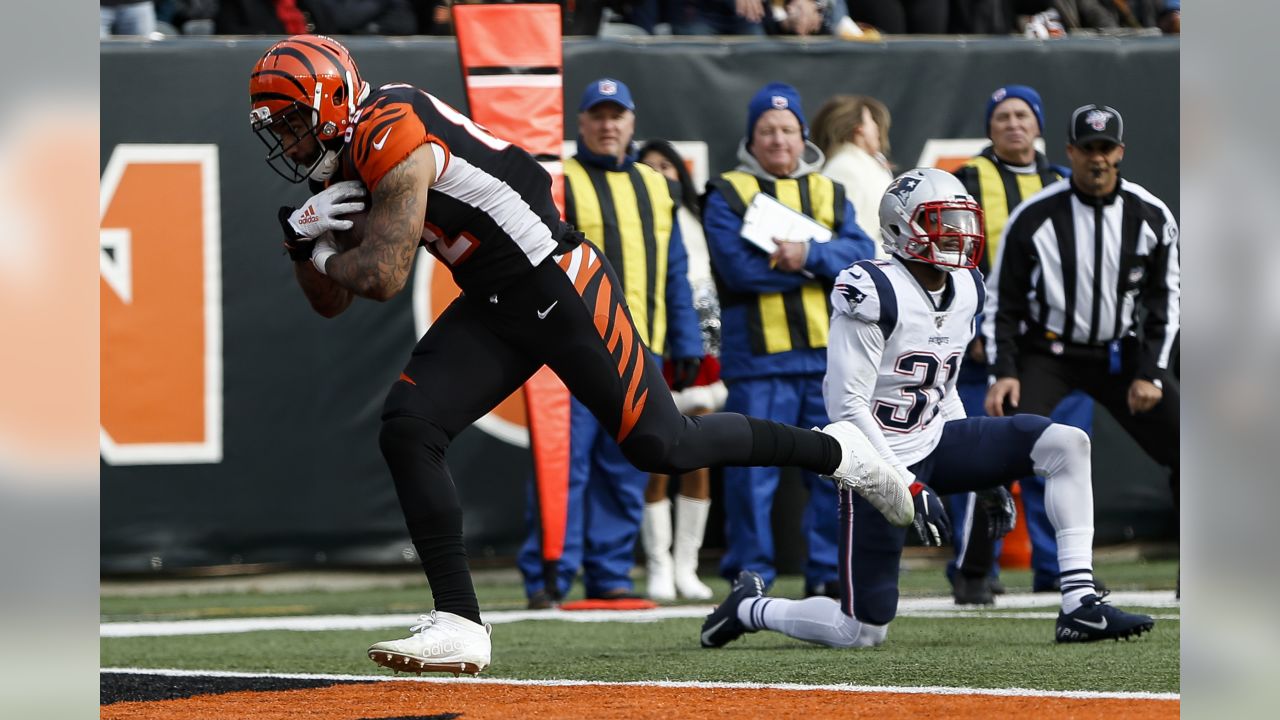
<point>1076,269</point>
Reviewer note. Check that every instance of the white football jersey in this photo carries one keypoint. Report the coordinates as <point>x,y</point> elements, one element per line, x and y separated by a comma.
<point>895,354</point>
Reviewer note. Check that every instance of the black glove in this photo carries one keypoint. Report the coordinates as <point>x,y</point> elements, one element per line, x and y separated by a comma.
<point>931,523</point>
<point>1002,512</point>
<point>684,371</point>
<point>298,247</point>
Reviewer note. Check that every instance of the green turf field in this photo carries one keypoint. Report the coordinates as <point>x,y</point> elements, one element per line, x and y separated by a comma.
<point>987,651</point>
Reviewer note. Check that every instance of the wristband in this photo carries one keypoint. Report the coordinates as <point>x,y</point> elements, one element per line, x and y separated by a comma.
<point>320,256</point>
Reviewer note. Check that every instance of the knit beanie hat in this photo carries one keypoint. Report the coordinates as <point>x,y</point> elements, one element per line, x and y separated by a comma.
<point>775,96</point>
<point>1022,92</point>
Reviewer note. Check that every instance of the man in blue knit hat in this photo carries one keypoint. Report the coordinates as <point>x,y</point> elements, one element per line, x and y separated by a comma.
<point>775,310</point>
<point>1007,172</point>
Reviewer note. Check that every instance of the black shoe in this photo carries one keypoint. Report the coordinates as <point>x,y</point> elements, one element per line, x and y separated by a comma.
<point>997,587</point>
<point>541,600</point>
<point>617,594</point>
<point>1052,586</point>
<point>722,625</point>
<point>1096,620</point>
<point>826,589</point>
<point>972,591</point>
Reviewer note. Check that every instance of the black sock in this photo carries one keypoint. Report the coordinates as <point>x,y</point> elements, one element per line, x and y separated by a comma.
<point>444,559</point>
<point>774,443</point>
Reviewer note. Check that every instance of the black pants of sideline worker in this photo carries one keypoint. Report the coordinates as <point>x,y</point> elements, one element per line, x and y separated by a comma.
<point>1046,379</point>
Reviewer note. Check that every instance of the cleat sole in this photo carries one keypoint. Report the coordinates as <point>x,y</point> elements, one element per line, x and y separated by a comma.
<point>409,664</point>
<point>1133,632</point>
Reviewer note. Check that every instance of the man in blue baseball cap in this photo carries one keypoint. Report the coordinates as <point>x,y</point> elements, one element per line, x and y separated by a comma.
<point>606,90</point>
<point>1007,172</point>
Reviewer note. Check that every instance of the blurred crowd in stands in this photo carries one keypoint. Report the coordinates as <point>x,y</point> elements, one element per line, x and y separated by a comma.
<point>847,19</point>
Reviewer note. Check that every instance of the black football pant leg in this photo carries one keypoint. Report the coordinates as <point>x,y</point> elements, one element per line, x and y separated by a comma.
<point>589,340</point>
<point>458,371</point>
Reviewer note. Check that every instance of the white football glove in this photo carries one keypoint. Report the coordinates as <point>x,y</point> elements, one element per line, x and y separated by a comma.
<point>324,211</point>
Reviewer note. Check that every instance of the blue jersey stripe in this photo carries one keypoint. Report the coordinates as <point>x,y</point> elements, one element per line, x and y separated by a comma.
<point>888,299</point>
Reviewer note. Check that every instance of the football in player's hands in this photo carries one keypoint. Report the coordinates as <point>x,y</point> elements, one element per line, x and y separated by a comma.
<point>347,239</point>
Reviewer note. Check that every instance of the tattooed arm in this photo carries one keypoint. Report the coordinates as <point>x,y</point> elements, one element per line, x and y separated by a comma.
<point>326,297</point>
<point>379,267</point>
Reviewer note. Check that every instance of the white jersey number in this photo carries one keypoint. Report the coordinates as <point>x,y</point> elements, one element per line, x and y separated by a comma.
<point>927,391</point>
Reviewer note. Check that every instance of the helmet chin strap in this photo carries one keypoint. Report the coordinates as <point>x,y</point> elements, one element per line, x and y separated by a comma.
<point>325,168</point>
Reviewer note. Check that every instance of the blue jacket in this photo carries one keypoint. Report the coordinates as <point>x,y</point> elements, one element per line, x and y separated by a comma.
<point>743,268</point>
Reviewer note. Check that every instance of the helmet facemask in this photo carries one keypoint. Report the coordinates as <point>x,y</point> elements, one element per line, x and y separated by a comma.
<point>282,132</point>
<point>946,233</point>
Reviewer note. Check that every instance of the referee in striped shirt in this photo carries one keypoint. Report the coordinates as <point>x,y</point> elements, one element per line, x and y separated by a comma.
<point>1085,295</point>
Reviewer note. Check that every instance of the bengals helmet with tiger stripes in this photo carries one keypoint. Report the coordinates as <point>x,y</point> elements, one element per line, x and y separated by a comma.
<point>305,86</point>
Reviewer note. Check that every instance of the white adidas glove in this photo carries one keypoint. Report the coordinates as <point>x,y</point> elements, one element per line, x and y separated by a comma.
<point>324,211</point>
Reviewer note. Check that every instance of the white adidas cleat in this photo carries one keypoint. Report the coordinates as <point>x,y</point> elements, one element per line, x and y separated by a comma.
<point>863,471</point>
<point>441,642</point>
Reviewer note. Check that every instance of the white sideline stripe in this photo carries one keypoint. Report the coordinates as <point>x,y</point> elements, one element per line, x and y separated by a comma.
<point>962,614</point>
<point>910,607</point>
<point>905,690</point>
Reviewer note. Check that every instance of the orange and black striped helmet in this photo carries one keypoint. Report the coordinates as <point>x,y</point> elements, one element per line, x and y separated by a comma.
<point>310,77</point>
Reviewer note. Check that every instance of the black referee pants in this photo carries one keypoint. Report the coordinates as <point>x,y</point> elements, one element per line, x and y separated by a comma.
<point>1046,379</point>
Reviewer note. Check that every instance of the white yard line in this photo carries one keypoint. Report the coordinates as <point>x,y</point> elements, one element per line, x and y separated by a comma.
<point>929,690</point>
<point>907,607</point>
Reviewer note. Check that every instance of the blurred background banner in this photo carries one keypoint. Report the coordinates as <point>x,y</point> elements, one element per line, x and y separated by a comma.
<point>267,448</point>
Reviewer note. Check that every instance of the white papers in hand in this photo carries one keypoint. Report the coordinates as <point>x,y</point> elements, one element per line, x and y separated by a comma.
<point>766,219</point>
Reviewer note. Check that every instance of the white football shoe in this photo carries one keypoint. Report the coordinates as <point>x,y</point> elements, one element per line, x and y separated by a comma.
<point>441,642</point>
<point>863,471</point>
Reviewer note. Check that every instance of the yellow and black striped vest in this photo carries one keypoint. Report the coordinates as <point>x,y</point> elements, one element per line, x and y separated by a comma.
<point>627,215</point>
<point>999,190</point>
<point>800,318</point>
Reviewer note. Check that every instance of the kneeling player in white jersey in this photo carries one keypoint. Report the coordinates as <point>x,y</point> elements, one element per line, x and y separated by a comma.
<point>899,330</point>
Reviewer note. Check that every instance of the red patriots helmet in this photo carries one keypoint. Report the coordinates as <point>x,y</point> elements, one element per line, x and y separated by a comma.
<point>927,216</point>
<point>305,87</point>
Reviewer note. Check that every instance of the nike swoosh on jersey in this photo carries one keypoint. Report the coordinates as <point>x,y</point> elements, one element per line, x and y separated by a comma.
<point>377,145</point>
<point>542,314</point>
<point>706,634</point>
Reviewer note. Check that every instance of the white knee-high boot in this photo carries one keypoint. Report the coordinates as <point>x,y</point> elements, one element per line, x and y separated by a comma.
<point>655,533</point>
<point>691,525</point>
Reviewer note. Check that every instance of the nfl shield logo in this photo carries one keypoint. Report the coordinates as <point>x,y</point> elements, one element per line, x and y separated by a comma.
<point>608,87</point>
<point>938,320</point>
<point>1098,119</point>
<point>779,102</point>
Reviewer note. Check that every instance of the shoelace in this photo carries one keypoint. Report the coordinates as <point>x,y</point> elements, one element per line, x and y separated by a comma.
<point>424,623</point>
<point>1101,597</point>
